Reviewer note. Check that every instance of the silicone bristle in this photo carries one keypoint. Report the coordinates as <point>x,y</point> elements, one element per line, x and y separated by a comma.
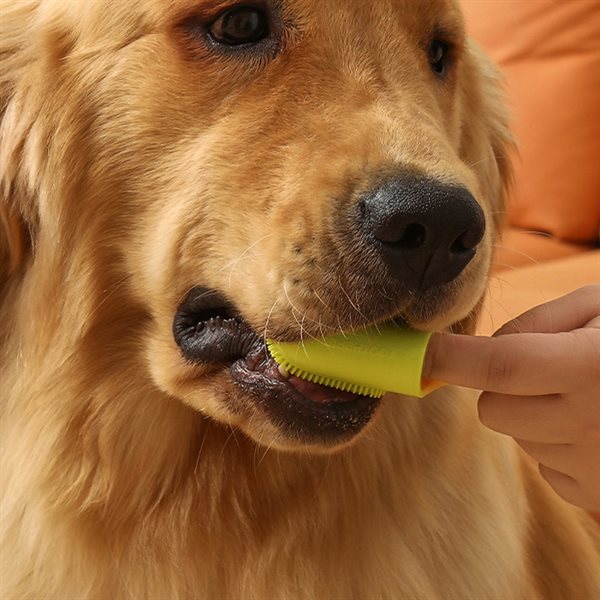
<point>383,358</point>
<point>343,386</point>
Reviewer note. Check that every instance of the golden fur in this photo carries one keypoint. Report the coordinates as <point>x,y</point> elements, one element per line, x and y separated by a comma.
<point>136,164</point>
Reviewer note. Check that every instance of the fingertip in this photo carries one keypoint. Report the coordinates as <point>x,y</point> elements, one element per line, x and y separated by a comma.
<point>491,411</point>
<point>442,346</point>
<point>483,404</point>
<point>431,356</point>
<point>506,329</point>
<point>525,323</point>
<point>449,357</point>
<point>564,485</point>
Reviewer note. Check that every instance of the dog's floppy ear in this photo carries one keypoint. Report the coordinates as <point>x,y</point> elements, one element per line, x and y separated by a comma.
<point>15,228</point>
<point>14,232</point>
<point>487,143</point>
<point>14,242</point>
<point>14,237</point>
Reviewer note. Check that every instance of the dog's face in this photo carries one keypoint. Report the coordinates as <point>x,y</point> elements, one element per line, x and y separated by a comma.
<point>280,168</point>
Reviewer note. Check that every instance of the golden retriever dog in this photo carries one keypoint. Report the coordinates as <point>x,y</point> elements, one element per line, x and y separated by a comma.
<point>181,179</point>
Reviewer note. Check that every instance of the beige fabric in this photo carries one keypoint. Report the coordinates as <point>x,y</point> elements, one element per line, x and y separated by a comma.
<point>512,292</point>
<point>522,248</point>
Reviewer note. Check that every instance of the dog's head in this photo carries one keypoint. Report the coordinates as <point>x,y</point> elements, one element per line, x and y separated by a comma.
<point>279,168</point>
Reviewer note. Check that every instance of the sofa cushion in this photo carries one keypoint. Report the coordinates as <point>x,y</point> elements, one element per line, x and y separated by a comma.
<point>550,54</point>
<point>522,248</point>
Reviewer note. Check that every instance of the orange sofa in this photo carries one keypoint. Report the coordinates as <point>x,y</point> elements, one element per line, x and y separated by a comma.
<point>549,53</point>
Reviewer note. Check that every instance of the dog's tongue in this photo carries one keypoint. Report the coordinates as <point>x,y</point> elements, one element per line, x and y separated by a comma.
<point>320,393</point>
<point>258,361</point>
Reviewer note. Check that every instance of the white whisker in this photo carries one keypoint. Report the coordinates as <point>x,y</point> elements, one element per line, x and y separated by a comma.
<point>234,263</point>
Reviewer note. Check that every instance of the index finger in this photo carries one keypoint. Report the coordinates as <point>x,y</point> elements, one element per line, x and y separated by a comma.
<point>567,313</point>
<point>518,364</point>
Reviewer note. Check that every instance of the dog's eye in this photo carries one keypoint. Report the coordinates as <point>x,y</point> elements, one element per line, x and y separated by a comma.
<point>240,25</point>
<point>439,53</point>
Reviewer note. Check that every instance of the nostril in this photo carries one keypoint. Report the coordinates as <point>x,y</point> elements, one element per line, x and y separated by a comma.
<point>426,232</point>
<point>467,241</point>
<point>460,245</point>
<point>402,235</point>
<point>413,237</point>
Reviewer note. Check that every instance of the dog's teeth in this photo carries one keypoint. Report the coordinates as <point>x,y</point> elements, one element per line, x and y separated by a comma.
<point>284,372</point>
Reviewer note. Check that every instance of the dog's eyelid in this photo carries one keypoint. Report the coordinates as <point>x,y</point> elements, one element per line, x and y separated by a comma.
<point>446,36</point>
<point>449,30</point>
<point>243,30</point>
<point>450,34</point>
<point>206,15</point>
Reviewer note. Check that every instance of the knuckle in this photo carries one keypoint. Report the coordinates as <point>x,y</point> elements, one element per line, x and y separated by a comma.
<point>500,369</point>
<point>589,338</point>
<point>584,344</point>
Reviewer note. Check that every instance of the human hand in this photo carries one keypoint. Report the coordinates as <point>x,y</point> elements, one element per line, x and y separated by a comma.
<point>541,376</point>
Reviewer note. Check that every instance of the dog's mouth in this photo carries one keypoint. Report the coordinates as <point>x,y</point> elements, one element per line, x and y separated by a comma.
<point>210,330</point>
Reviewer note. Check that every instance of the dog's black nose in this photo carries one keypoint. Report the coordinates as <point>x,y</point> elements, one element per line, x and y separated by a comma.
<point>427,232</point>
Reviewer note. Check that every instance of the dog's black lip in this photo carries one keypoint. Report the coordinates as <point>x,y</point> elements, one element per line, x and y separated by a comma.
<point>301,418</point>
<point>208,328</point>
<point>225,338</point>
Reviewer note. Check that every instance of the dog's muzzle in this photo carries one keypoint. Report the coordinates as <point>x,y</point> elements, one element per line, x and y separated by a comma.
<point>210,330</point>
